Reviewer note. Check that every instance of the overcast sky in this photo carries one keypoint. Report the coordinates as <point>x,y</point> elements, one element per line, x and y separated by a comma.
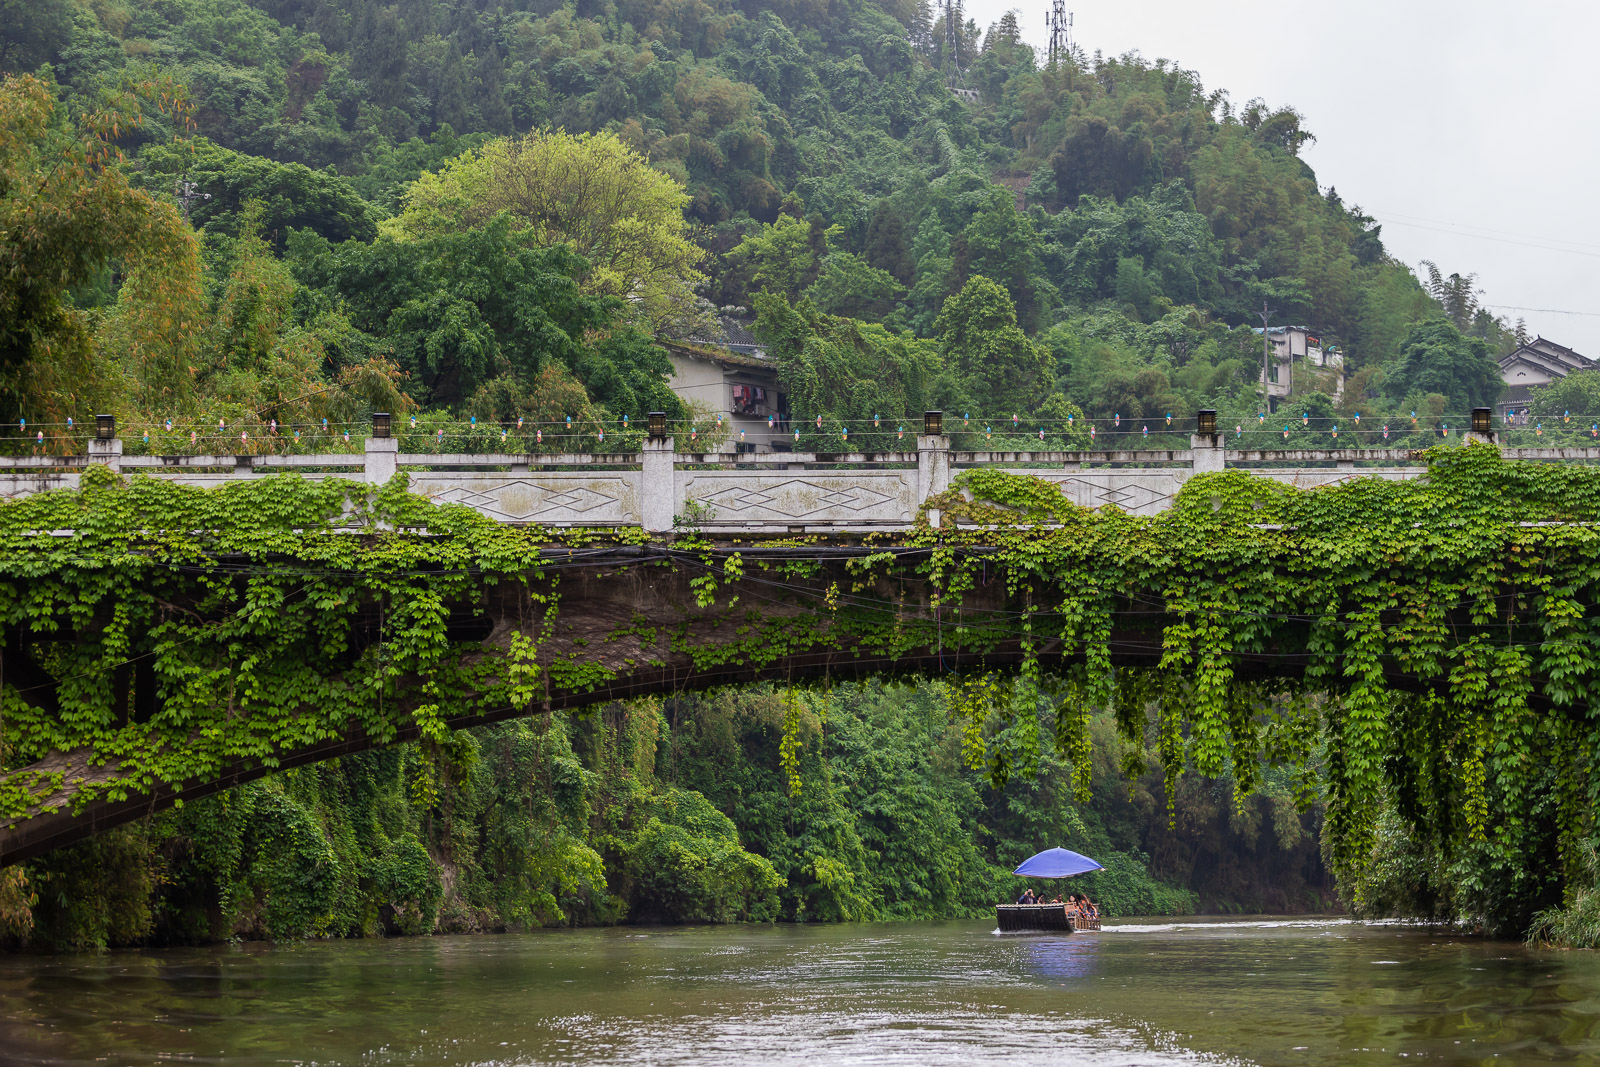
<point>1470,129</point>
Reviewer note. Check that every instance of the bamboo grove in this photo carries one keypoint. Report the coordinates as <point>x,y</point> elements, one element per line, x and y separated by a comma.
<point>1413,651</point>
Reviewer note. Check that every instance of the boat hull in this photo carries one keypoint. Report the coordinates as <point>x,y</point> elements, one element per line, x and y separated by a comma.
<point>1053,917</point>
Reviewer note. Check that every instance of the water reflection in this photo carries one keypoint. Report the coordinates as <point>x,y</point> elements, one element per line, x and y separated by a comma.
<point>1075,957</point>
<point>1139,993</point>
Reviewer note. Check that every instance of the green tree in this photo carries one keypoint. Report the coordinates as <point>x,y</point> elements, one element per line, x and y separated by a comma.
<point>67,213</point>
<point>590,192</point>
<point>781,258</point>
<point>992,361</point>
<point>1436,358</point>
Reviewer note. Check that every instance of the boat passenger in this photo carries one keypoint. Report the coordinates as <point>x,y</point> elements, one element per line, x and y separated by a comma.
<point>1088,906</point>
<point>1026,897</point>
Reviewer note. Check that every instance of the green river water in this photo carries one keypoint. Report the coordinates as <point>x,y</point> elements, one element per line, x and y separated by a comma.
<point>1140,992</point>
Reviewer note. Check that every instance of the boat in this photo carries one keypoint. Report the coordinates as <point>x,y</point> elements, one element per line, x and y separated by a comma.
<point>1065,918</point>
<point>1013,917</point>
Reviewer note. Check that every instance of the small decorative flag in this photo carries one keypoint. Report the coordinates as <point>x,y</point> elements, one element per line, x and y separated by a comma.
<point>1386,431</point>
<point>41,437</point>
<point>69,422</point>
<point>414,422</point>
<point>474,421</point>
<point>772,421</point>
<point>1145,430</point>
<point>1538,431</point>
<point>1169,418</point>
<point>22,424</point>
<point>844,433</point>
<point>1286,431</point>
<point>876,422</point>
<point>347,437</point>
<point>1041,433</point>
<point>1336,431</point>
<point>819,422</point>
<point>1116,418</point>
<point>169,425</point>
<point>538,437</point>
<point>1014,422</point>
<point>797,436</point>
<point>1305,418</point>
<point>741,435</point>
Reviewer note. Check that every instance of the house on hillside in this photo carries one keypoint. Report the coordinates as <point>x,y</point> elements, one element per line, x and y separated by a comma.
<point>1321,368</point>
<point>1539,362</point>
<point>727,373</point>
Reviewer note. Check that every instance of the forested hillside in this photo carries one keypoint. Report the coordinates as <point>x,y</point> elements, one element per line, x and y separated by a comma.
<point>264,220</point>
<point>1110,226</point>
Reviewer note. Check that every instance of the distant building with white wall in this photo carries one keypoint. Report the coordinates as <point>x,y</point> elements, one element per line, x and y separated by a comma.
<point>1321,368</point>
<point>1537,363</point>
<point>729,375</point>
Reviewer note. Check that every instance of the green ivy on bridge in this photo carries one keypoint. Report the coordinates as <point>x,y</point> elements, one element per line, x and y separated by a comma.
<point>1428,646</point>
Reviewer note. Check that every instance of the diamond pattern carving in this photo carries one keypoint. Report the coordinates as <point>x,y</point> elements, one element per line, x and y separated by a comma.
<point>525,500</point>
<point>1131,497</point>
<point>800,498</point>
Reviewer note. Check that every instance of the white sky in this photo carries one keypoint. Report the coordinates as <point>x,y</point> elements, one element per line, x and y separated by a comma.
<point>1470,129</point>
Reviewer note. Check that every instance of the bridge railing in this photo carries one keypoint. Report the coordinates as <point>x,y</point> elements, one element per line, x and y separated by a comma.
<point>660,488</point>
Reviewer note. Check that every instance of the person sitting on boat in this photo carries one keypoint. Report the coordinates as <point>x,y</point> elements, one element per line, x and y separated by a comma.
<point>1027,897</point>
<point>1088,906</point>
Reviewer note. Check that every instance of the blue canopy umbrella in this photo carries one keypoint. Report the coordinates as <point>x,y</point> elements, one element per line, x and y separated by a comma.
<point>1057,863</point>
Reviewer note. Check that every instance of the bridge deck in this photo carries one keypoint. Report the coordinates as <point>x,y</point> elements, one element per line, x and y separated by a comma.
<point>772,492</point>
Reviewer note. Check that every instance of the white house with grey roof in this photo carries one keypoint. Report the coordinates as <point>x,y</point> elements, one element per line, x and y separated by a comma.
<point>1537,363</point>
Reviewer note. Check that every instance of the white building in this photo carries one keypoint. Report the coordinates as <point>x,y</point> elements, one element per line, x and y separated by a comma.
<point>1539,362</point>
<point>1321,368</point>
<point>731,377</point>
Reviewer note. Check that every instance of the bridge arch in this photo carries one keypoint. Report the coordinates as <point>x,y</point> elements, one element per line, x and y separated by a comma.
<point>163,642</point>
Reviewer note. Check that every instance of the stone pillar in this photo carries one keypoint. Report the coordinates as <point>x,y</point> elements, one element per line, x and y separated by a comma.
<point>1490,438</point>
<point>383,459</point>
<point>933,470</point>
<point>658,485</point>
<point>107,452</point>
<point>1207,450</point>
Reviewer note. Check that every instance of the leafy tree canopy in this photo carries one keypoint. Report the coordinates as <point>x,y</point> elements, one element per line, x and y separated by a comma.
<point>590,192</point>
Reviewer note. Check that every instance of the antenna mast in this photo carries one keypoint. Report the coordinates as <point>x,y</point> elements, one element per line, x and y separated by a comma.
<point>952,32</point>
<point>1059,22</point>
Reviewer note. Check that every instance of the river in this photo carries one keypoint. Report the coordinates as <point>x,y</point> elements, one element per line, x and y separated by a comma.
<point>1141,992</point>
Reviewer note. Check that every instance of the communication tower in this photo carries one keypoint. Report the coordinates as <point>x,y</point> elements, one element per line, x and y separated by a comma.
<point>1059,21</point>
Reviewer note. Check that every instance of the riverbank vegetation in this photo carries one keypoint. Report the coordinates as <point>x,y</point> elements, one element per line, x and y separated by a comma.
<point>248,225</point>
<point>663,811</point>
